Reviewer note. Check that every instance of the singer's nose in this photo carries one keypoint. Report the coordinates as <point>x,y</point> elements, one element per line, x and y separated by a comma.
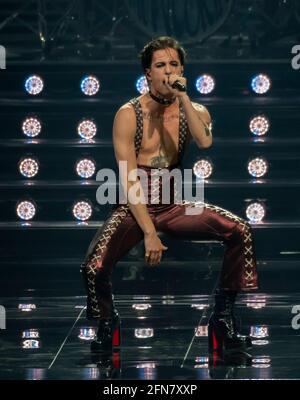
<point>167,69</point>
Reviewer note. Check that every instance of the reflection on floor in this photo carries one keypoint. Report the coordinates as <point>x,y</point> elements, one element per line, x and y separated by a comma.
<point>164,336</point>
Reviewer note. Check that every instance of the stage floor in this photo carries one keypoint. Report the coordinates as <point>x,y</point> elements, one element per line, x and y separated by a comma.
<point>164,336</point>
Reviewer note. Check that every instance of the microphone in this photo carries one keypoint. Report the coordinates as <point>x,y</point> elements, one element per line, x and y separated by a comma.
<point>179,86</point>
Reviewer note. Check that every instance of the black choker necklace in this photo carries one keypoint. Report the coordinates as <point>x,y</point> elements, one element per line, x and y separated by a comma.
<point>162,100</point>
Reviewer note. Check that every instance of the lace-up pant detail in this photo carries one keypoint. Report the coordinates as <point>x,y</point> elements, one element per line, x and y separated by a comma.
<point>121,232</point>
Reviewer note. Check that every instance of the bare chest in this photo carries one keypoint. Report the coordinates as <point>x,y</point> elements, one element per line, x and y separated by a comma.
<point>159,146</point>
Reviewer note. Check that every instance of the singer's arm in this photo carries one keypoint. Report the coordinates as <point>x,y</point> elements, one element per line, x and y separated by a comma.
<point>199,122</point>
<point>123,141</point>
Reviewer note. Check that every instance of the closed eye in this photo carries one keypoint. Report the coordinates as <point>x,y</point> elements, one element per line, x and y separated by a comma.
<point>174,64</point>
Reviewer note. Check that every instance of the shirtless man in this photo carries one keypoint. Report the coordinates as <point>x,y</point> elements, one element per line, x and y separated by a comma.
<point>152,132</point>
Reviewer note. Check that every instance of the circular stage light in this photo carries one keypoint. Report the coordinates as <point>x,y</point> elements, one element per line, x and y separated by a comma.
<point>203,169</point>
<point>142,85</point>
<point>26,209</point>
<point>261,84</point>
<point>259,125</point>
<point>90,85</point>
<point>28,167</point>
<point>85,168</point>
<point>31,126</point>
<point>87,129</point>
<point>82,210</point>
<point>34,84</point>
<point>258,167</point>
<point>255,212</point>
<point>205,84</point>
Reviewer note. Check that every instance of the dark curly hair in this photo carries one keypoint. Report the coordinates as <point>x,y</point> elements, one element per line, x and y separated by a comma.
<point>160,43</point>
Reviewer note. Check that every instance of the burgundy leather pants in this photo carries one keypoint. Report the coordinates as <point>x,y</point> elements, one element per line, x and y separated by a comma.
<point>120,232</point>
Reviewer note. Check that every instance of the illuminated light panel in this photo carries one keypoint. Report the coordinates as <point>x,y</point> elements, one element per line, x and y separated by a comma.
<point>199,306</point>
<point>205,84</point>
<point>30,344</point>
<point>141,306</point>
<point>82,210</point>
<point>263,360</point>
<point>27,307</point>
<point>142,85</point>
<point>146,365</point>
<point>201,330</point>
<point>87,129</point>
<point>87,333</point>
<point>34,84</point>
<point>261,84</point>
<point>85,168</point>
<point>26,210</point>
<point>255,212</point>
<point>30,334</point>
<point>31,126</point>
<point>258,167</point>
<point>168,299</point>
<point>202,359</point>
<point>259,331</point>
<point>168,302</point>
<point>143,333</point>
<point>259,125</point>
<point>90,85</point>
<point>203,169</point>
<point>35,374</point>
<point>91,373</point>
<point>29,167</point>
<point>257,302</point>
<point>260,342</point>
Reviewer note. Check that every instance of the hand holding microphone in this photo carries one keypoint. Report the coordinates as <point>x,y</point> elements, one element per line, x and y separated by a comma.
<point>176,83</point>
<point>179,86</point>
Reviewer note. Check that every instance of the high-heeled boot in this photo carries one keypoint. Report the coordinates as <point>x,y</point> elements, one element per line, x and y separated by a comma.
<point>108,335</point>
<point>223,334</point>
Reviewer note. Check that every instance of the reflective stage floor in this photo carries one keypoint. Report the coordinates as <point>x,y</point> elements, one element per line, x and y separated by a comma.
<point>164,335</point>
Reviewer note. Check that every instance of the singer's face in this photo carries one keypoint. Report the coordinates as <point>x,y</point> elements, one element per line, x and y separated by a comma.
<point>164,63</point>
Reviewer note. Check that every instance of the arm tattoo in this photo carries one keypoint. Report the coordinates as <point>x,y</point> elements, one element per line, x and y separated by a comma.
<point>207,127</point>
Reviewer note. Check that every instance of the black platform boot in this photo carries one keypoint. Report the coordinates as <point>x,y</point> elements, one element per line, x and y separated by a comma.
<point>223,335</point>
<point>108,335</point>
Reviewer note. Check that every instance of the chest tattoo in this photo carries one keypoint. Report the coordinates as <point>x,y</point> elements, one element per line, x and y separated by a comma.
<point>159,117</point>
